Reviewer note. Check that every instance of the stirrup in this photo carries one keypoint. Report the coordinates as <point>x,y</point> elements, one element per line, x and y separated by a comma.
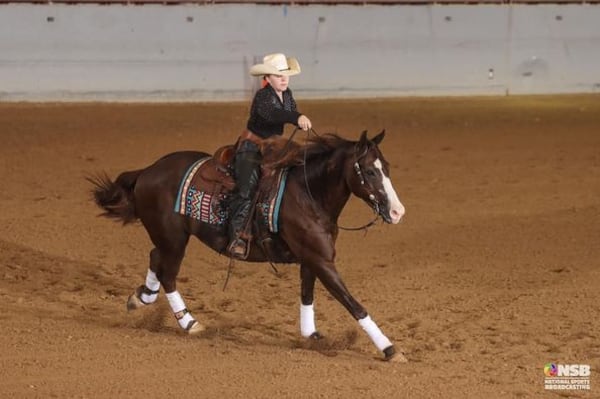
<point>238,249</point>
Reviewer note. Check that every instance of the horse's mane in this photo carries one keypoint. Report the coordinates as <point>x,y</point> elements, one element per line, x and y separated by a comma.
<point>315,147</point>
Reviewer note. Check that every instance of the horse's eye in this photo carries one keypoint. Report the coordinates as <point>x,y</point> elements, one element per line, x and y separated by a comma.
<point>371,173</point>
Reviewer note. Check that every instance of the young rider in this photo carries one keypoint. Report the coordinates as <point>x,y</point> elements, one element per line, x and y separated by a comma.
<point>272,107</point>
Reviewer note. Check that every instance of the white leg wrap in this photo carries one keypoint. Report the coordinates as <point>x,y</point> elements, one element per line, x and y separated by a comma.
<point>307,320</point>
<point>179,310</point>
<point>380,340</point>
<point>152,284</point>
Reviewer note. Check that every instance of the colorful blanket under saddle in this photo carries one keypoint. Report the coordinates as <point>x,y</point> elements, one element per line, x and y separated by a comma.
<point>269,203</point>
<point>211,208</point>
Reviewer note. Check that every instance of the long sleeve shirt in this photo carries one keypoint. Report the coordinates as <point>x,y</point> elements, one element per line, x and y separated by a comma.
<point>268,113</point>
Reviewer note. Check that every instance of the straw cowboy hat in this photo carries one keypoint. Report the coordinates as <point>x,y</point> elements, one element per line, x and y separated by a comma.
<point>276,64</point>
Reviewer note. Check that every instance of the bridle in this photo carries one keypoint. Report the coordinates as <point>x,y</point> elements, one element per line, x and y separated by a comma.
<point>374,203</point>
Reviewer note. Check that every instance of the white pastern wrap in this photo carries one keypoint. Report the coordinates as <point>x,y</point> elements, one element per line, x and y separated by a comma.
<point>153,285</point>
<point>177,305</point>
<point>380,340</point>
<point>396,208</point>
<point>307,320</point>
<point>152,281</point>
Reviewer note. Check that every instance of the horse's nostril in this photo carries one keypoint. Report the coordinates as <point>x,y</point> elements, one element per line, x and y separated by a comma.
<point>396,215</point>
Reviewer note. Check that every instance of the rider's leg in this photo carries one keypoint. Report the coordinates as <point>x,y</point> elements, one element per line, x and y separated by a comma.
<point>247,174</point>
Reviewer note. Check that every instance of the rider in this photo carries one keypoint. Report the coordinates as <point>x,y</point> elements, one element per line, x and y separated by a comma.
<point>272,107</point>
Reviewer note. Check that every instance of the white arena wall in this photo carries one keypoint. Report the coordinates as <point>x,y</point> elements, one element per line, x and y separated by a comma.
<point>194,52</point>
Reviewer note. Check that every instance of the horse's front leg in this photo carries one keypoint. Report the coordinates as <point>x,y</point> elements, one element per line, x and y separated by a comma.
<point>328,275</point>
<point>308,327</point>
<point>315,246</point>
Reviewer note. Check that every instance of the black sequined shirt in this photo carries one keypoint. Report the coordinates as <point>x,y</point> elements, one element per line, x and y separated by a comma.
<point>268,113</point>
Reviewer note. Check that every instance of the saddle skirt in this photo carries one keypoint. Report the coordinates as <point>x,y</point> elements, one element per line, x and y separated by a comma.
<point>206,186</point>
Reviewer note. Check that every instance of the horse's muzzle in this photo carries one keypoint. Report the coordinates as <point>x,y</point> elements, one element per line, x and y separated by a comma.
<point>391,214</point>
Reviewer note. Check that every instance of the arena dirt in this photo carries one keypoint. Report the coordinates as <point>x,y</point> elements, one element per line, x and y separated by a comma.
<point>494,271</point>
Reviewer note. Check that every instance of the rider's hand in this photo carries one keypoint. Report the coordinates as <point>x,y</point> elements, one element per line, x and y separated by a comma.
<point>304,123</point>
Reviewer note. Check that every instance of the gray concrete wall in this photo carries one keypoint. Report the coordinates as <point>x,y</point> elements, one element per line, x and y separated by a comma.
<point>203,52</point>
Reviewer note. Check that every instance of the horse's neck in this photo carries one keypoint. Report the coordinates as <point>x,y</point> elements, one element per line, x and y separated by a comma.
<point>330,191</point>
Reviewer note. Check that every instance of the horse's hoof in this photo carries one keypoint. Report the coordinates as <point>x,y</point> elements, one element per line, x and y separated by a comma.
<point>315,336</point>
<point>390,355</point>
<point>134,302</point>
<point>398,358</point>
<point>195,328</point>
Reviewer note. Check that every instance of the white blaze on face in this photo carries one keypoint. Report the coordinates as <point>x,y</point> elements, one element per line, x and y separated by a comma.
<point>396,208</point>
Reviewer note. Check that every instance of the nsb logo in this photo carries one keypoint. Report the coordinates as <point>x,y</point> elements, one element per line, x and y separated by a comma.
<point>567,370</point>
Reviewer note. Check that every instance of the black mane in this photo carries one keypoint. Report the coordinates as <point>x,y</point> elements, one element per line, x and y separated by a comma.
<point>316,148</point>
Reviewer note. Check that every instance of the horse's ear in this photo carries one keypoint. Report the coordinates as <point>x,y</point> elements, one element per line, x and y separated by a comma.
<point>363,139</point>
<point>377,139</point>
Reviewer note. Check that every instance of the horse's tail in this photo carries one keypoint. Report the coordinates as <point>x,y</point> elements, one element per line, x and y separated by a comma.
<point>116,198</point>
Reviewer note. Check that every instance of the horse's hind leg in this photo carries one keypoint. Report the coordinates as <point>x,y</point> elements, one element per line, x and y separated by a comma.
<point>170,262</point>
<point>165,261</point>
<point>148,293</point>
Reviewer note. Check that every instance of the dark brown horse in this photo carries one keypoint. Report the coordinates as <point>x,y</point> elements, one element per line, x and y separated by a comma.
<point>322,175</point>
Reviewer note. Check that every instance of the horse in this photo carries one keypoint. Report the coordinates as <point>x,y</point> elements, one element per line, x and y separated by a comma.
<point>321,175</point>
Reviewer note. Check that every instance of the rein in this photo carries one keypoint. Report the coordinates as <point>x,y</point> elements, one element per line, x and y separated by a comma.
<point>358,172</point>
<point>364,227</point>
